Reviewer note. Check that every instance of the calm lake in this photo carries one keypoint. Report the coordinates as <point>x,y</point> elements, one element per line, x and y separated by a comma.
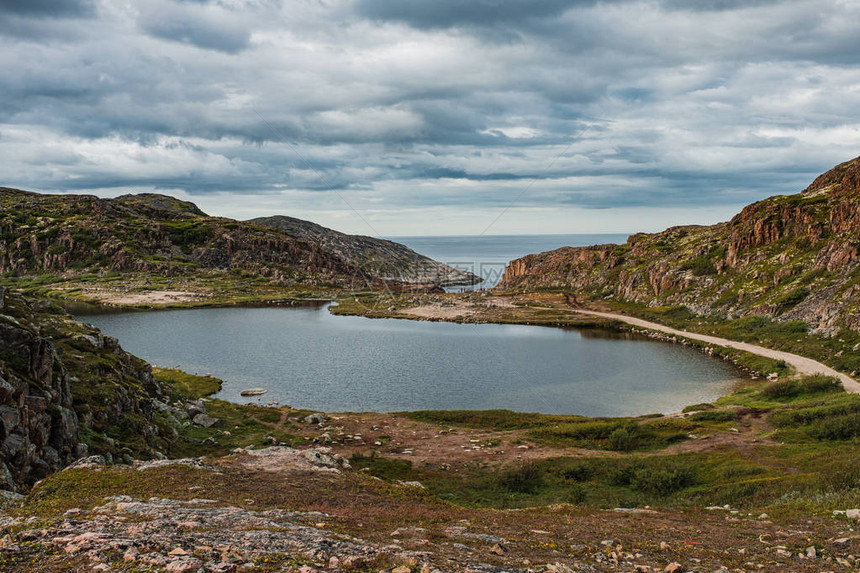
<point>308,358</point>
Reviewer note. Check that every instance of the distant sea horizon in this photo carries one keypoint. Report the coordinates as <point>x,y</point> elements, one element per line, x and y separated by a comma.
<point>487,255</point>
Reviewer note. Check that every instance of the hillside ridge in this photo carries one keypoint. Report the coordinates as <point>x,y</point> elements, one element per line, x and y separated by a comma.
<point>387,259</point>
<point>788,257</point>
<point>152,233</point>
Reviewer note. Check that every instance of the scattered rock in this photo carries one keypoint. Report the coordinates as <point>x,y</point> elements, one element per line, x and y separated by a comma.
<point>195,407</point>
<point>189,462</point>
<point>183,566</point>
<point>253,392</point>
<point>674,567</point>
<point>498,549</point>
<point>7,497</point>
<point>208,421</point>
<point>852,514</point>
<point>88,462</point>
<point>417,484</point>
<point>316,418</point>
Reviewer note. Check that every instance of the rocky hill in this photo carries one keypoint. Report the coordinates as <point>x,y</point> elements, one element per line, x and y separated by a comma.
<point>157,234</point>
<point>790,257</point>
<point>385,259</point>
<point>66,388</point>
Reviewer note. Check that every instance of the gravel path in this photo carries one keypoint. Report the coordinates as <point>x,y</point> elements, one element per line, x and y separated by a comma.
<point>802,364</point>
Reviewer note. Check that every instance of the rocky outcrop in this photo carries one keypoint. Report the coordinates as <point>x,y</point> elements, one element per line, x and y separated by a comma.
<point>38,427</point>
<point>59,380</point>
<point>791,257</point>
<point>74,234</point>
<point>383,259</point>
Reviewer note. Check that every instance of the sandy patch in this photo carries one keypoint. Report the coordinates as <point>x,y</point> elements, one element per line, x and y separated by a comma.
<point>440,312</point>
<point>454,309</point>
<point>281,458</point>
<point>153,297</point>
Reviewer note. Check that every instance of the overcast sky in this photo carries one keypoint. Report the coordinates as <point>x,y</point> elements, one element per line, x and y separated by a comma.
<point>423,117</point>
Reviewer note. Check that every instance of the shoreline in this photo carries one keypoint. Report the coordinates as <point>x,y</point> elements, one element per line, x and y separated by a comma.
<point>802,364</point>
<point>458,312</point>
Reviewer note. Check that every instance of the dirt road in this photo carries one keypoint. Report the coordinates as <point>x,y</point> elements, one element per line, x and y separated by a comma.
<point>802,364</point>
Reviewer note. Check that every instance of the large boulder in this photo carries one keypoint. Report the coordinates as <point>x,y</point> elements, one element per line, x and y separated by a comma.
<point>208,421</point>
<point>195,407</point>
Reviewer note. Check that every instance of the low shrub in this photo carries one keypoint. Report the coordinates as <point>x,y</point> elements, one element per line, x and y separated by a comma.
<point>576,494</point>
<point>798,417</point>
<point>837,429</point>
<point>663,482</point>
<point>698,407</point>
<point>806,386</point>
<point>713,416</point>
<point>622,440</point>
<point>579,472</point>
<point>524,479</point>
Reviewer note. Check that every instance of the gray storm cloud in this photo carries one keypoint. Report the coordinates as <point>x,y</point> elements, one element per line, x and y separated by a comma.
<point>402,106</point>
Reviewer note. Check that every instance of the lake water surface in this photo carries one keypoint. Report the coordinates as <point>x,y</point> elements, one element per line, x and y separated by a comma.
<point>309,358</point>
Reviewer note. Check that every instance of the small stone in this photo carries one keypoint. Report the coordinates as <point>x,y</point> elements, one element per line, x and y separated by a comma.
<point>131,554</point>
<point>353,562</point>
<point>842,542</point>
<point>811,552</point>
<point>674,567</point>
<point>852,514</point>
<point>401,569</point>
<point>183,566</point>
<point>498,549</point>
<point>664,546</point>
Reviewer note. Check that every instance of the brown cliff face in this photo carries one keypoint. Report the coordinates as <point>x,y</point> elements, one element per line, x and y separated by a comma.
<point>790,257</point>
